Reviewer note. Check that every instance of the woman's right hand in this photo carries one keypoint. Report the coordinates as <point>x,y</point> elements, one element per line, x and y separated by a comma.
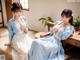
<point>22,27</point>
<point>57,28</point>
<point>41,34</point>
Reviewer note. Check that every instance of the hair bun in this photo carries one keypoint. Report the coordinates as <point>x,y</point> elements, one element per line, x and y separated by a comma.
<point>16,6</point>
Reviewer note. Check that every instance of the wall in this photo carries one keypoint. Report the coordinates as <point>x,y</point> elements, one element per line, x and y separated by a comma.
<point>53,8</point>
<point>44,8</point>
<point>4,12</point>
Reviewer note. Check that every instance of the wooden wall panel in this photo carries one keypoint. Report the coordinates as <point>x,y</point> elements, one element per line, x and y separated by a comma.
<point>8,4</point>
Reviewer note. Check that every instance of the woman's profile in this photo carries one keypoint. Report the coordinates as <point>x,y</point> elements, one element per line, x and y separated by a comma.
<point>50,47</point>
<point>18,29</point>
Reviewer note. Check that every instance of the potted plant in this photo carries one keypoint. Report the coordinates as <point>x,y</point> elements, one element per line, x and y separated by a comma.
<point>77,23</point>
<point>48,21</point>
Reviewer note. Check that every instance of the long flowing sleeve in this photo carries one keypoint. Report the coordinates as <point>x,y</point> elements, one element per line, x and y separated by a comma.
<point>10,31</point>
<point>25,24</point>
<point>63,35</point>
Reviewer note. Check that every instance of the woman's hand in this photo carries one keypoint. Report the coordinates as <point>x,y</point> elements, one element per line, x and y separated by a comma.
<point>57,28</point>
<point>22,27</point>
<point>42,34</point>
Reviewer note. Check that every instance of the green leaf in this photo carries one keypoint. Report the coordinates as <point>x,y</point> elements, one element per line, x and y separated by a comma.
<point>45,21</point>
<point>42,19</point>
<point>77,21</point>
<point>50,19</point>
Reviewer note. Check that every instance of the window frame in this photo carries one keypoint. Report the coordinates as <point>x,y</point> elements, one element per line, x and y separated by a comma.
<point>27,9</point>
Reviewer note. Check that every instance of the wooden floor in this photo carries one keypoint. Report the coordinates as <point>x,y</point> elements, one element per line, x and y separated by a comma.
<point>71,54</point>
<point>4,39</point>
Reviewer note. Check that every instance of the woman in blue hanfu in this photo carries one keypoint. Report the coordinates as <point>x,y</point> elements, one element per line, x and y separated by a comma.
<point>18,29</point>
<point>50,47</point>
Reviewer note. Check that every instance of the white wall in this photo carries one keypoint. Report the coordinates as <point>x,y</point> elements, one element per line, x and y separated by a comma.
<point>44,8</point>
<point>4,12</point>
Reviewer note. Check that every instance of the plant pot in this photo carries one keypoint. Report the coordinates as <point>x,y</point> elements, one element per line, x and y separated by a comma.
<point>77,28</point>
<point>49,26</point>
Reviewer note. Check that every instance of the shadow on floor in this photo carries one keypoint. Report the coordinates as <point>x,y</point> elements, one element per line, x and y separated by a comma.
<point>73,53</point>
<point>6,54</point>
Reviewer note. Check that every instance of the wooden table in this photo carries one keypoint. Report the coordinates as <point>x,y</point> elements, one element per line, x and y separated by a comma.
<point>74,40</point>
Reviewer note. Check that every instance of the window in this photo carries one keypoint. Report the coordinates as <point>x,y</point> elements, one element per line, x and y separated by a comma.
<point>24,4</point>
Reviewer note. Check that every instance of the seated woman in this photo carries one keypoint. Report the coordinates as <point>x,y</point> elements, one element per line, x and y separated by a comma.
<point>50,47</point>
<point>19,39</point>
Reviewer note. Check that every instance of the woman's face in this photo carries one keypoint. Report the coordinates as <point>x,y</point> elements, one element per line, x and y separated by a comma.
<point>17,14</point>
<point>65,20</point>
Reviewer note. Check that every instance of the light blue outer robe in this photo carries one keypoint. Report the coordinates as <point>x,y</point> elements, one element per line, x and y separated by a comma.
<point>13,28</point>
<point>50,47</point>
<point>19,40</point>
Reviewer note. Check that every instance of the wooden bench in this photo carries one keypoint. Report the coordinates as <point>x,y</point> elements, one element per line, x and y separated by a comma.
<point>73,40</point>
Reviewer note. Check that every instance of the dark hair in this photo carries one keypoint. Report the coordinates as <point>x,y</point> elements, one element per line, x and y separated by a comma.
<point>16,7</point>
<point>68,14</point>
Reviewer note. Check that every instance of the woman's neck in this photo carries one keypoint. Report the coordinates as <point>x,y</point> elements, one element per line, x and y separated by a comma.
<point>65,25</point>
<point>17,18</point>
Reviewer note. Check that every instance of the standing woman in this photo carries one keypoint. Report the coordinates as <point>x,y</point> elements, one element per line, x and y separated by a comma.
<point>18,28</point>
<point>50,47</point>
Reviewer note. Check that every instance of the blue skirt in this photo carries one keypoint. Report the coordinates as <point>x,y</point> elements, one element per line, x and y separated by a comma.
<point>47,48</point>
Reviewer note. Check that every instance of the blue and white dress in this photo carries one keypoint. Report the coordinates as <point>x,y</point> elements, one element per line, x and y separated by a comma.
<point>20,41</point>
<point>50,47</point>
